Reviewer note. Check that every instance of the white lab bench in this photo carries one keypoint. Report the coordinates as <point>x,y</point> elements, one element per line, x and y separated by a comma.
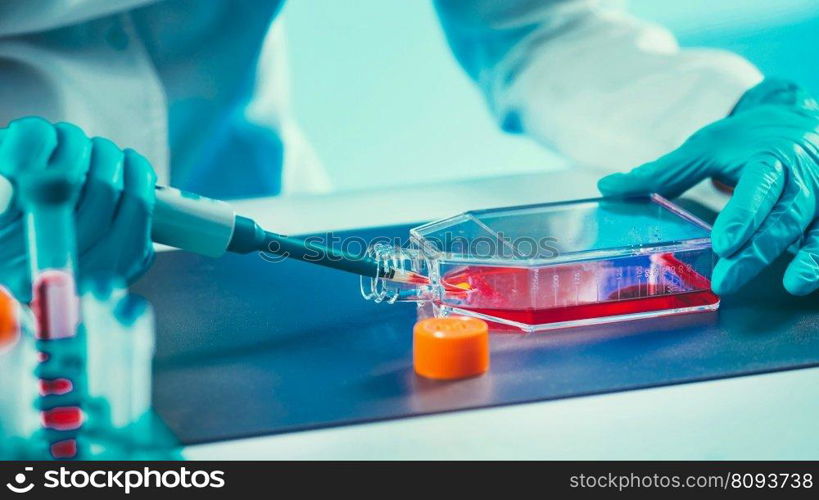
<point>768,416</point>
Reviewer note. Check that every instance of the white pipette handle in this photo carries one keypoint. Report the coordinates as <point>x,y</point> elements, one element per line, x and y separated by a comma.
<point>181,220</point>
<point>192,222</point>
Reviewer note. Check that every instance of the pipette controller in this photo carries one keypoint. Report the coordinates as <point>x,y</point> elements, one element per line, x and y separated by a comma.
<point>212,228</point>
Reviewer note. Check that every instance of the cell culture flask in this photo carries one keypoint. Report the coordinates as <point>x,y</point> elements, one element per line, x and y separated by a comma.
<point>555,265</point>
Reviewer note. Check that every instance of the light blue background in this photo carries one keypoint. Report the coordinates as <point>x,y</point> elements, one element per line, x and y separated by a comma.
<point>384,103</point>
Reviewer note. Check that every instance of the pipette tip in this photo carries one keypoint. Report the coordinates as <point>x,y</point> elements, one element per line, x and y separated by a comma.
<point>414,278</point>
<point>404,276</point>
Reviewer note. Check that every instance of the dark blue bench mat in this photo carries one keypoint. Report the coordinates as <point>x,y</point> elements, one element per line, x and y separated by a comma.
<point>247,348</point>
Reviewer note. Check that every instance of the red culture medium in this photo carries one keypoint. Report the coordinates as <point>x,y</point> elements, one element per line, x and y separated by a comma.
<point>601,309</point>
<point>494,286</point>
<point>66,448</point>
<point>62,418</point>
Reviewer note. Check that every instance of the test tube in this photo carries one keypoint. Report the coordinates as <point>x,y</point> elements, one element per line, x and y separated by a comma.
<point>119,329</point>
<point>19,420</point>
<point>47,200</point>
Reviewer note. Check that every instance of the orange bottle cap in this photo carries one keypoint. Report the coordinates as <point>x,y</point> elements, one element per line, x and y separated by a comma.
<point>450,348</point>
<point>9,326</point>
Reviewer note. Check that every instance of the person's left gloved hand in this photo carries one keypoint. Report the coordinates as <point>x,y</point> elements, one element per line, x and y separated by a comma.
<point>769,149</point>
<point>113,205</point>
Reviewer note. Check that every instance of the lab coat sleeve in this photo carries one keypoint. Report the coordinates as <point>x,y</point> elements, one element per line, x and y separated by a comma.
<point>19,17</point>
<point>589,80</point>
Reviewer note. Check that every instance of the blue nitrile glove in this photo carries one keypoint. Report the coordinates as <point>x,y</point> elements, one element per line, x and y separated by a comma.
<point>115,199</point>
<point>769,149</point>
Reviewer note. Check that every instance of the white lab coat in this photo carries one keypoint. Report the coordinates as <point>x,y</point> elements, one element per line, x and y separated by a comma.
<point>107,90</point>
<point>85,62</point>
<point>605,89</point>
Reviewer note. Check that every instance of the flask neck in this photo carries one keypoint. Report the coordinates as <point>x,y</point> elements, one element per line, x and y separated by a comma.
<point>397,262</point>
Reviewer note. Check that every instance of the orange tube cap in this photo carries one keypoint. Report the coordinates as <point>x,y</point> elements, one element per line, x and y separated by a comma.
<point>450,348</point>
<point>8,318</point>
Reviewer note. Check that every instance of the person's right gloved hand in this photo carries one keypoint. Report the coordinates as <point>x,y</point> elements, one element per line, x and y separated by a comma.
<point>113,207</point>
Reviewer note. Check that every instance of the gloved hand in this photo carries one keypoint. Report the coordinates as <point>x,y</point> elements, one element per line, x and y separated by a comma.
<point>113,207</point>
<point>769,149</point>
